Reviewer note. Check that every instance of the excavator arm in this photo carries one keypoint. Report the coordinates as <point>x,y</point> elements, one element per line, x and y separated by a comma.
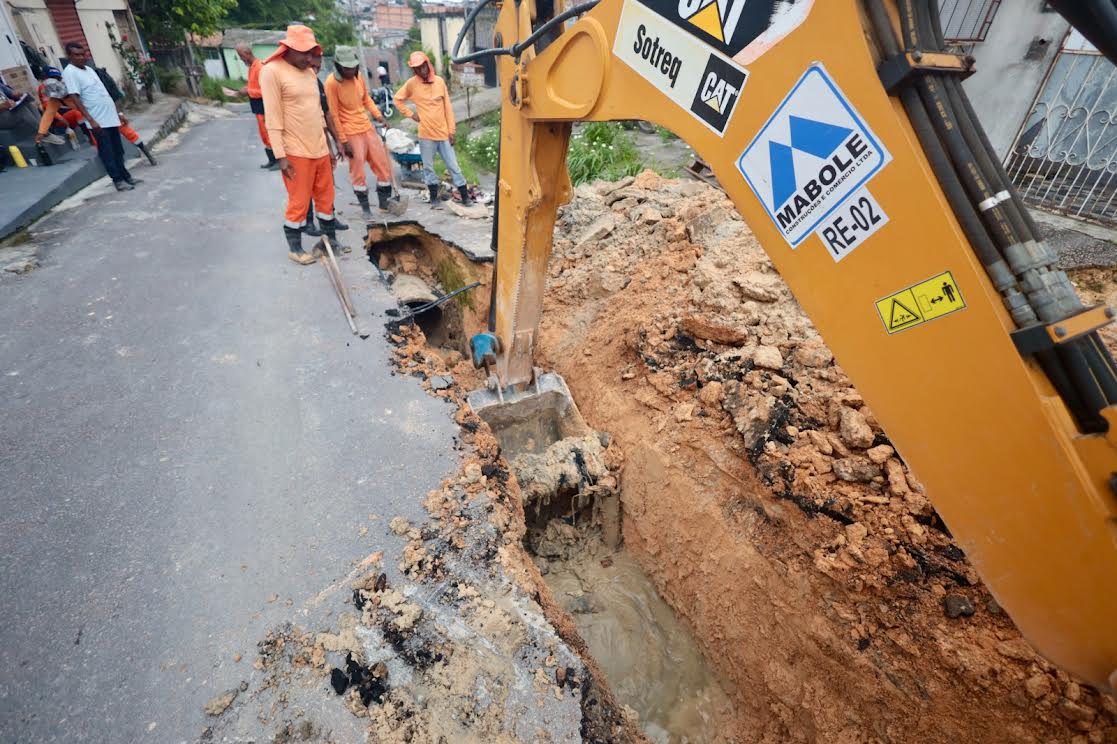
<point>839,130</point>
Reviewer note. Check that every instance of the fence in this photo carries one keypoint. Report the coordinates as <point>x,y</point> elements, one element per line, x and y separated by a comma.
<point>1065,156</point>
<point>967,21</point>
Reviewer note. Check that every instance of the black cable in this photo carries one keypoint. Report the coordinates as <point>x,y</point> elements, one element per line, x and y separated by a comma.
<point>577,10</point>
<point>516,49</point>
<point>979,143</point>
<point>436,302</point>
<point>963,207</point>
<point>494,244</point>
<point>940,164</point>
<point>1094,19</point>
<point>467,24</point>
<point>933,93</point>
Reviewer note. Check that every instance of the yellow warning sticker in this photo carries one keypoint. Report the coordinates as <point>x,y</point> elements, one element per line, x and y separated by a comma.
<point>930,299</point>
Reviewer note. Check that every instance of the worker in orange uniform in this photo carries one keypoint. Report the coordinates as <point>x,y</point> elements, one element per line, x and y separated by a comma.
<point>435,118</point>
<point>59,110</point>
<point>297,132</point>
<point>351,105</point>
<point>256,99</point>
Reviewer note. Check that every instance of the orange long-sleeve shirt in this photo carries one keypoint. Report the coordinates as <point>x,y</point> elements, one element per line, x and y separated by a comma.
<point>293,111</point>
<point>253,86</point>
<point>432,100</point>
<point>349,101</point>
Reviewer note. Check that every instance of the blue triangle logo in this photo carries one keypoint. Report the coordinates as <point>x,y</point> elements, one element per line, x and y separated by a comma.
<point>815,137</point>
<point>783,173</point>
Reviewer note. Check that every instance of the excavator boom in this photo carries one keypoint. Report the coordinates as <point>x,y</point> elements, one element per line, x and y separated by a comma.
<point>839,130</point>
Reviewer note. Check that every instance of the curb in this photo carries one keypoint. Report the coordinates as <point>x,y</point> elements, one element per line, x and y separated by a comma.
<point>173,122</point>
<point>89,172</point>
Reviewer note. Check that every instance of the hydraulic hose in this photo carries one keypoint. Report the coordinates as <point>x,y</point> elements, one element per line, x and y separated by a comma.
<point>948,180</point>
<point>964,209</point>
<point>933,94</point>
<point>1087,366</point>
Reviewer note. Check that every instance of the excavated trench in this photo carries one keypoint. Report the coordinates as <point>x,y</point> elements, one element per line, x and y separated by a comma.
<point>572,498</point>
<point>803,570</point>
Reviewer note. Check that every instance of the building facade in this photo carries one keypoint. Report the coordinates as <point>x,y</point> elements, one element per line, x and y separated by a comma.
<point>42,28</point>
<point>1048,101</point>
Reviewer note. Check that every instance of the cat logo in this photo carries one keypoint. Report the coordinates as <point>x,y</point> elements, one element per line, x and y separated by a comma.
<point>718,91</point>
<point>717,18</point>
<point>730,25</point>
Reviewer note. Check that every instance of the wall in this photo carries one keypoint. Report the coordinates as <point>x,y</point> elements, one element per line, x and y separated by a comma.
<point>237,69</point>
<point>34,25</point>
<point>94,14</point>
<point>13,65</point>
<point>438,34</point>
<point>1011,66</point>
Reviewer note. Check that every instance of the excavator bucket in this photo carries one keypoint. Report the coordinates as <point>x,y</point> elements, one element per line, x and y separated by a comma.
<point>532,420</point>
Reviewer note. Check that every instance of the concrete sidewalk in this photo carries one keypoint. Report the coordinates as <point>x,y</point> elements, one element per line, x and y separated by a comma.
<point>28,193</point>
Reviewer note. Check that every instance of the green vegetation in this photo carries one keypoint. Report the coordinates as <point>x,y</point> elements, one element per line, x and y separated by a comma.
<point>481,148</point>
<point>451,278</point>
<point>166,22</point>
<point>488,119</point>
<point>212,88</point>
<point>597,150</point>
<point>602,150</point>
<point>331,25</point>
<point>171,80</point>
<point>664,133</point>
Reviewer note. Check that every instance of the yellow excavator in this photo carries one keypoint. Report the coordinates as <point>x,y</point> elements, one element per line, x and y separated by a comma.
<point>841,132</point>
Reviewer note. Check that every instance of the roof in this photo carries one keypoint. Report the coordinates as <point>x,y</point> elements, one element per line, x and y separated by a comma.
<point>252,36</point>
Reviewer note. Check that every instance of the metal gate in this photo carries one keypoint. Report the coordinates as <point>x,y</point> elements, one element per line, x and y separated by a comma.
<point>1065,156</point>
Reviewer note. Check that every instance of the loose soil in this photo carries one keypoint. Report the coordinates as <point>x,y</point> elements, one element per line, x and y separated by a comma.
<point>763,499</point>
<point>758,494</point>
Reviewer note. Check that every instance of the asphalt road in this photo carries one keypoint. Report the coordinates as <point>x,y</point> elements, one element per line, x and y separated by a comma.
<point>187,430</point>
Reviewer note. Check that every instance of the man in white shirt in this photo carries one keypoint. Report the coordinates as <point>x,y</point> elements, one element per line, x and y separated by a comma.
<point>100,112</point>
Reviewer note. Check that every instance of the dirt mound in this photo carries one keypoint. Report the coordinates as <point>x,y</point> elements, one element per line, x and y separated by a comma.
<point>765,501</point>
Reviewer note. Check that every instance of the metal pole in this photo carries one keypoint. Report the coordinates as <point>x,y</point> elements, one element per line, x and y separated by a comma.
<point>360,45</point>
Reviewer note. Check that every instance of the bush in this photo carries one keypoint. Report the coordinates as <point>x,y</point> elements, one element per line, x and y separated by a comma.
<point>602,149</point>
<point>211,88</point>
<point>171,80</point>
<point>482,148</point>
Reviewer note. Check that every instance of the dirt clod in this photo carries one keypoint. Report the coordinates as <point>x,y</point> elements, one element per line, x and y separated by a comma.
<point>219,704</point>
<point>956,605</point>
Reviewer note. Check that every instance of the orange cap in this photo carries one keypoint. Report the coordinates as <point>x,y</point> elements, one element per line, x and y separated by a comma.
<point>299,38</point>
<point>417,59</point>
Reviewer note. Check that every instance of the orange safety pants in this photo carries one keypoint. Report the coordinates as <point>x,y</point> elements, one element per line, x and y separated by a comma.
<point>314,179</point>
<point>367,148</point>
<point>263,131</point>
<point>73,119</point>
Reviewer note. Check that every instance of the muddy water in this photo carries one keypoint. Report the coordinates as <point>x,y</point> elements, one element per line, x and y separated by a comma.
<point>649,657</point>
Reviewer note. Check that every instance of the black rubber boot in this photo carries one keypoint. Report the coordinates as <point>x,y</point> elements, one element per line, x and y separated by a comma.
<point>362,199</point>
<point>435,203</point>
<point>338,224</point>
<point>272,163</point>
<point>147,153</point>
<point>295,250</point>
<point>463,191</point>
<point>329,229</point>
<point>383,196</point>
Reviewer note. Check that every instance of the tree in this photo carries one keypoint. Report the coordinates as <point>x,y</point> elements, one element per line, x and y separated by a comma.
<point>330,26</point>
<point>166,22</point>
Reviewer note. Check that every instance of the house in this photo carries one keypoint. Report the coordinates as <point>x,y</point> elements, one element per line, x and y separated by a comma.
<point>439,26</point>
<point>1047,100</point>
<point>44,27</point>
<point>386,17</point>
<point>263,43</point>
